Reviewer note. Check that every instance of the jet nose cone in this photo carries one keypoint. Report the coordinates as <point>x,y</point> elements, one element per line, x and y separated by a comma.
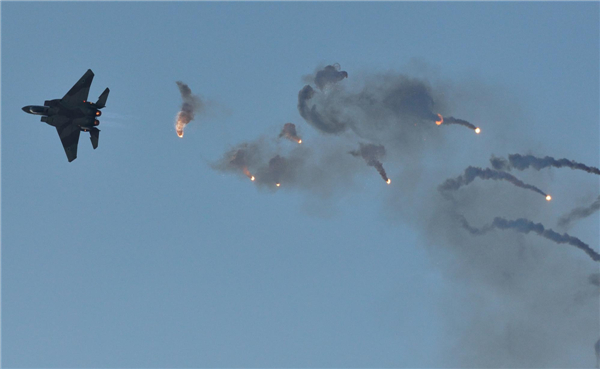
<point>25,109</point>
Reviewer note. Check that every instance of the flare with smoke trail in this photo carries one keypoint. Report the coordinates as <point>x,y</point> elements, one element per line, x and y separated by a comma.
<point>525,226</point>
<point>289,132</point>
<point>239,159</point>
<point>453,184</point>
<point>579,213</point>
<point>191,104</point>
<point>522,162</point>
<point>452,120</point>
<point>372,153</point>
<point>331,74</point>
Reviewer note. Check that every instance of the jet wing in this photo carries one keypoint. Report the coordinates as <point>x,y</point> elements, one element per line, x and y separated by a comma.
<point>94,136</point>
<point>69,136</point>
<point>79,92</point>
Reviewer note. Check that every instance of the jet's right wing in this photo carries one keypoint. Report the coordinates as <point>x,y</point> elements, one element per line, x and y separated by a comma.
<point>69,136</point>
<point>79,92</point>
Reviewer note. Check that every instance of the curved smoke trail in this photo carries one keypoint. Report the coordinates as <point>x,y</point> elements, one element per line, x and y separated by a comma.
<point>522,162</point>
<point>525,226</point>
<point>471,173</point>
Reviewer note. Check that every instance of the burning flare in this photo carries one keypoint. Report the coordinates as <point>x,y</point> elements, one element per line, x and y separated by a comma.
<point>247,173</point>
<point>190,106</point>
<point>277,184</point>
<point>438,122</point>
<point>477,130</point>
<point>372,153</point>
<point>548,197</point>
<point>289,132</point>
<point>388,181</point>
<point>179,124</point>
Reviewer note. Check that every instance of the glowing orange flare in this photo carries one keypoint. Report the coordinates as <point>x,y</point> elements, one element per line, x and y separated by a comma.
<point>179,125</point>
<point>299,141</point>
<point>548,197</point>
<point>438,122</point>
<point>388,181</point>
<point>247,173</point>
<point>278,184</point>
<point>477,130</point>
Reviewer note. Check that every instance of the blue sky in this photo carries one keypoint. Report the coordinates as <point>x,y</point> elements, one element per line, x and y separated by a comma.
<point>140,254</point>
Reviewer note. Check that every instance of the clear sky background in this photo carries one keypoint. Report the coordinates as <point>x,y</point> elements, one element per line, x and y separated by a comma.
<point>140,254</point>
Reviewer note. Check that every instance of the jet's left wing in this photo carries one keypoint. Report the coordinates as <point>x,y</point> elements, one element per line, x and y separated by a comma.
<point>79,92</point>
<point>69,136</point>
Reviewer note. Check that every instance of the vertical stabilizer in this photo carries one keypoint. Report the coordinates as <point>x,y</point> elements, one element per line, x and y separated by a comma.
<point>102,99</point>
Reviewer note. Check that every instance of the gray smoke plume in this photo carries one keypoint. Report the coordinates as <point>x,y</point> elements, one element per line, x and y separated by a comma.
<point>372,154</point>
<point>525,226</point>
<point>579,213</point>
<point>522,162</point>
<point>289,132</point>
<point>191,104</point>
<point>527,290</point>
<point>453,184</point>
<point>329,75</point>
<point>499,163</point>
<point>328,123</point>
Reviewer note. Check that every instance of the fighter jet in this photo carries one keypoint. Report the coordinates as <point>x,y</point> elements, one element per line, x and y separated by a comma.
<point>73,114</point>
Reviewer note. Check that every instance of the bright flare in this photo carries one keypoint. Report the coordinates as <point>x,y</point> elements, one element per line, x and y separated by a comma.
<point>299,141</point>
<point>438,122</point>
<point>179,124</point>
<point>278,184</point>
<point>247,173</point>
<point>388,181</point>
<point>477,130</point>
<point>548,197</point>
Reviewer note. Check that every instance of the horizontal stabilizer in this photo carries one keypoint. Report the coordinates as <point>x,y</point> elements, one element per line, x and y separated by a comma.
<point>94,136</point>
<point>102,99</point>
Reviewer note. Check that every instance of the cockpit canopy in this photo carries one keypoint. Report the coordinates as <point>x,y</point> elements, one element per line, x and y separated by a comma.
<point>33,109</point>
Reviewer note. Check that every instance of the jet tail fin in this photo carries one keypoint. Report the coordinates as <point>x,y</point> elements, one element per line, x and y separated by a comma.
<point>102,99</point>
<point>94,136</point>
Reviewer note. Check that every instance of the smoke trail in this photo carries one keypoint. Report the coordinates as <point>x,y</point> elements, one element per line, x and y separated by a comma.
<point>372,153</point>
<point>453,184</point>
<point>240,159</point>
<point>522,162</point>
<point>579,213</point>
<point>331,74</point>
<point>289,132</point>
<point>462,122</point>
<point>523,225</point>
<point>499,163</point>
<point>191,104</point>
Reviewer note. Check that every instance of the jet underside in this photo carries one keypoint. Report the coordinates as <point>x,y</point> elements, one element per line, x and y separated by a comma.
<point>73,114</point>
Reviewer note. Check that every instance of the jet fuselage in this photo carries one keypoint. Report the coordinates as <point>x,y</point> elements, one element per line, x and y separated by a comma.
<point>54,112</point>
